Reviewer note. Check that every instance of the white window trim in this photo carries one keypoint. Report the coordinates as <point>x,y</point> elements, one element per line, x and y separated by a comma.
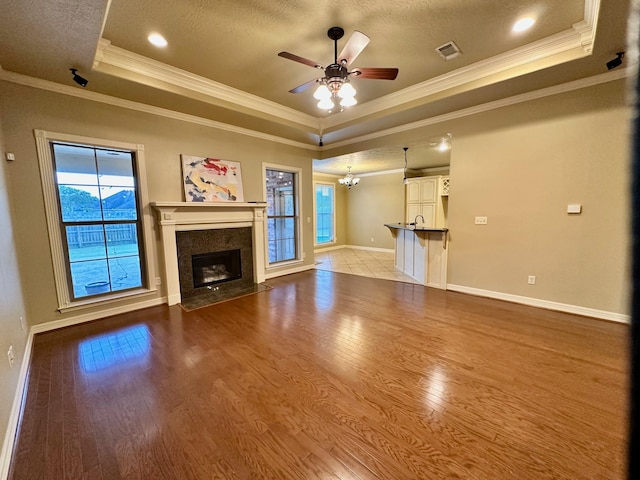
<point>300,254</point>
<point>47,177</point>
<point>315,215</point>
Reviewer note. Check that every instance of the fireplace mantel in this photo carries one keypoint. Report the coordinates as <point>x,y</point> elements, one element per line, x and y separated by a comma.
<point>181,216</point>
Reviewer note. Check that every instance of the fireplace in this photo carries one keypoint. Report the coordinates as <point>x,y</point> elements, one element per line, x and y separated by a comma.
<point>178,218</point>
<point>216,267</point>
<point>219,260</point>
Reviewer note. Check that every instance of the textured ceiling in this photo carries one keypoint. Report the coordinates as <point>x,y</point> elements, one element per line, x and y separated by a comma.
<point>221,63</point>
<point>236,42</point>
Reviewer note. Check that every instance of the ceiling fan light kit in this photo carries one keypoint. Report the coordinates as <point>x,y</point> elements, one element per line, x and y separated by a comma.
<point>335,84</point>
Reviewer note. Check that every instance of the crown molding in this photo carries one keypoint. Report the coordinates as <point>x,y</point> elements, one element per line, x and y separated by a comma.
<point>576,41</point>
<point>113,56</point>
<point>141,107</point>
<point>579,39</point>
<point>382,172</point>
<point>317,173</point>
<point>485,107</point>
<point>162,112</point>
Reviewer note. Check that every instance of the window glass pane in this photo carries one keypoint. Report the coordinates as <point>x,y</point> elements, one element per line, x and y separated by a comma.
<point>282,241</point>
<point>282,217</point>
<point>89,278</point>
<point>125,272</point>
<point>324,213</point>
<point>85,242</point>
<point>75,165</point>
<point>118,203</point>
<point>79,204</point>
<point>280,197</point>
<point>122,239</point>
<point>115,168</point>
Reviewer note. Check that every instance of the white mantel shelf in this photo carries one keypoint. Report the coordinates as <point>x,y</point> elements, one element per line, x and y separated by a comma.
<point>195,205</point>
<point>182,216</point>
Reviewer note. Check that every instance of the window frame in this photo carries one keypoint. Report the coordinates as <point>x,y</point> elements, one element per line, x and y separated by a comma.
<point>334,240</point>
<point>57,241</point>
<point>297,173</point>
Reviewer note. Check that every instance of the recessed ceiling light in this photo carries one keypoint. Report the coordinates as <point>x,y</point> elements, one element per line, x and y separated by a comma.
<point>157,40</point>
<point>523,24</point>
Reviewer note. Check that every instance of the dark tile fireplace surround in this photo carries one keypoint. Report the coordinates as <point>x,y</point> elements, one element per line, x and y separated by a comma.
<point>216,280</point>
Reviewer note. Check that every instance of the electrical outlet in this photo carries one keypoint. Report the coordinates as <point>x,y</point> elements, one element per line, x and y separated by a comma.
<point>481,220</point>
<point>158,281</point>
<point>10,355</point>
<point>531,280</point>
<point>372,239</point>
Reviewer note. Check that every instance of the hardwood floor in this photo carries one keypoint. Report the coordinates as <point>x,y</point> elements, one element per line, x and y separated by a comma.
<point>329,375</point>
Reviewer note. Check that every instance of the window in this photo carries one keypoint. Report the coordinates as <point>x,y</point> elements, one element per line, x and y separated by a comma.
<point>282,214</point>
<point>325,212</point>
<point>93,198</point>
<point>99,218</point>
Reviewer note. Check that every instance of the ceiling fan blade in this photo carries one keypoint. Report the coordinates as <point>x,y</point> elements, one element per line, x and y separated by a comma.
<point>354,47</point>
<point>376,73</point>
<point>298,59</point>
<point>304,86</point>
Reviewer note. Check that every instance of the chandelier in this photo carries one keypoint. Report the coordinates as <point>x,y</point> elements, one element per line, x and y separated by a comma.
<point>349,180</point>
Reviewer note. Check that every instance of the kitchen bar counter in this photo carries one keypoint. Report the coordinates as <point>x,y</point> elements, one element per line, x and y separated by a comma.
<point>421,253</point>
<point>414,227</point>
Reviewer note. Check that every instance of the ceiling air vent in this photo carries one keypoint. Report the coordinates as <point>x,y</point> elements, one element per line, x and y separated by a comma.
<point>448,51</point>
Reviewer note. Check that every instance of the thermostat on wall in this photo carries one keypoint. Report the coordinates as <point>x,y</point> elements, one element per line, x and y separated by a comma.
<point>575,208</point>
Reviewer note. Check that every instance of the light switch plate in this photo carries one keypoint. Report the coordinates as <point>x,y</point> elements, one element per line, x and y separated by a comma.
<point>574,208</point>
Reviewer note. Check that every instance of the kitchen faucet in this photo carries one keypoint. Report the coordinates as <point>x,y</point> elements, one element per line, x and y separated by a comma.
<point>415,220</point>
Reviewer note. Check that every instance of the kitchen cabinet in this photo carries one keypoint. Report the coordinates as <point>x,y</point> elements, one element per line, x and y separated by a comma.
<point>426,196</point>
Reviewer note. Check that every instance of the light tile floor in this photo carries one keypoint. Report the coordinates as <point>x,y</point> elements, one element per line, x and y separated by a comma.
<point>365,263</point>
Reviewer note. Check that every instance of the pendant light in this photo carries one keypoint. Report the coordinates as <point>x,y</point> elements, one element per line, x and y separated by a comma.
<point>404,180</point>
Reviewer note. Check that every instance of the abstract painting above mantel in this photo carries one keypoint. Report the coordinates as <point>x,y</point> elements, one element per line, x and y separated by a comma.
<point>211,180</point>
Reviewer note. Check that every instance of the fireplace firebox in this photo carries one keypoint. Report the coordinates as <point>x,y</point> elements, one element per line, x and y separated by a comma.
<point>216,267</point>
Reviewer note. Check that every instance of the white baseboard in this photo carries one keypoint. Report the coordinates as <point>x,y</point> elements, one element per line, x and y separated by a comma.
<point>288,271</point>
<point>372,249</point>
<point>536,302</point>
<point>328,249</point>
<point>16,408</point>
<point>88,317</point>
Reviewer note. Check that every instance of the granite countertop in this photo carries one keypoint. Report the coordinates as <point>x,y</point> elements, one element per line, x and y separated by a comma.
<point>412,226</point>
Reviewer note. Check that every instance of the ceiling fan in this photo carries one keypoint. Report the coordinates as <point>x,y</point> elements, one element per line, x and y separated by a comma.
<point>335,82</point>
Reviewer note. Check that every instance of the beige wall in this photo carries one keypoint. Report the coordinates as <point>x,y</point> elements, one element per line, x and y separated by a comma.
<point>341,208</point>
<point>520,166</point>
<point>11,302</point>
<point>25,109</point>
<point>378,199</point>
